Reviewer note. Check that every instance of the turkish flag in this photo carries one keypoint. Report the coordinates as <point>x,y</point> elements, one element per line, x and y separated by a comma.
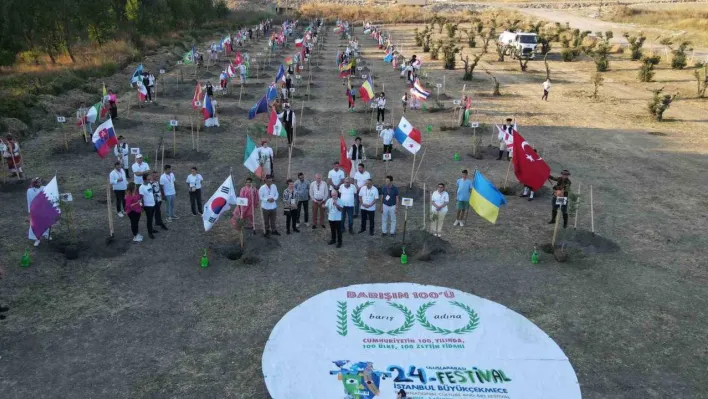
<point>344,162</point>
<point>529,168</point>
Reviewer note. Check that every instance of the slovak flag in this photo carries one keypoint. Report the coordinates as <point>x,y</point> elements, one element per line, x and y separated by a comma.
<point>418,91</point>
<point>219,203</point>
<point>280,76</point>
<point>209,112</point>
<point>408,136</point>
<point>104,138</point>
<point>298,42</point>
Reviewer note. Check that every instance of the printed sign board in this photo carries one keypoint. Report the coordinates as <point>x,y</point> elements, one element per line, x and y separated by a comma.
<point>369,341</point>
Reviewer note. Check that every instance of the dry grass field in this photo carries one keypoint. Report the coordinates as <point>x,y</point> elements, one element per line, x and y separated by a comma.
<point>144,320</point>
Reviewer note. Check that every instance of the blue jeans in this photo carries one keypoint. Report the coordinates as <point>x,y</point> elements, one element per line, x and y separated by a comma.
<point>348,211</point>
<point>170,199</point>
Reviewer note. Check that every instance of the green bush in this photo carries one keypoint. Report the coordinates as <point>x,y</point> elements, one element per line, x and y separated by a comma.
<point>567,55</point>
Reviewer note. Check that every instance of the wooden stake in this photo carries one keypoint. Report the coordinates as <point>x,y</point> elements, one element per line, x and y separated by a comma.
<point>66,142</point>
<point>198,126</point>
<point>290,156</point>
<point>109,205</point>
<point>424,195</point>
<point>174,142</point>
<point>577,205</point>
<point>240,91</point>
<point>555,232</point>
<point>191,124</point>
<point>420,163</point>
<point>592,213</point>
<point>412,170</point>
<point>508,169</point>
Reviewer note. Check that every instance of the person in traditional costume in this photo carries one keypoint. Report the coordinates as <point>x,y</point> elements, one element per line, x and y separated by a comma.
<point>265,156</point>
<point>11,153</point>
<point>246,212</point>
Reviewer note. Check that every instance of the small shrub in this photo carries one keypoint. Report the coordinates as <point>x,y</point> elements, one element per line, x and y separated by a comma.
<point>660,103</point>
<point>646,71</point>
<point>635,45</point>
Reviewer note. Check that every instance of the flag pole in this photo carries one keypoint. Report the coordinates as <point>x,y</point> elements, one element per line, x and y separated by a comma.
<point>508,169</point>
<point>424,195</point>
<point>412,170</point>
<point>420,163</point>
<point>555,232</point>
<point>592,214</point>
<point>191,124</point>
<point>240,91</point>
<point>174,142</point>
<point>577,205</point>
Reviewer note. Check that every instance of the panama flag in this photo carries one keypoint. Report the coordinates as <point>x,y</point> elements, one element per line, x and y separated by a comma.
<point>280,76</point>
<point>44,209</point>
<point>251,159</point>
<point>104,138</point>
<point>366,91</point>
<point>137,75</point>
<point>298,42</point>
<point>275,126</point>
<point>418,91</point>
<point>408,136</point>
<point>142,91</point>
<point>209,112</point>
<point>219,203</point>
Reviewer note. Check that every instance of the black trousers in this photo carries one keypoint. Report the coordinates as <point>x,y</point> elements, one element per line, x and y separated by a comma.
<point>545,95</point>
<point>195,199</point>
<point>149,93</point>
<point>336,230</point>
<point>306,206</point>
<point>158,214</point>
<point>387,148</point>
<point>289,132</point>
<point>120,200</point>
<point>134,220</point>
<point>149,214</point>
<point>380,113</point>
<point>371,217</point>
<point>291,219</point>
<point>127,173</point>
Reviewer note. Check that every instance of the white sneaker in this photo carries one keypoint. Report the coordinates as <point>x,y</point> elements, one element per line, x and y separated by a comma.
<point>36,243</point>
<point>169,219</point>
<point>456,222</point>
<point>307,224</point>
<point>136,239</point>
<point>121,214</point>
<point>462,223</point>
<point>140,236</point>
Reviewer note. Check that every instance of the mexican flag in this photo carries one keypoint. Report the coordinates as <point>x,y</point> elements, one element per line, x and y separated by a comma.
<point>91,115</point>
<point>251,158</point>
<point>275,126</point>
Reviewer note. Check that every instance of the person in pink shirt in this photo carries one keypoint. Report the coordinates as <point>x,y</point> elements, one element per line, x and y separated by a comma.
<point>134,208</point>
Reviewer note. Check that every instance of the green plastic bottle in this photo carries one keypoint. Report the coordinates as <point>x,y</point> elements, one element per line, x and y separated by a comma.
<point>88,193</point>
<point>457,156</point>
<point>534,255</point>
<point>205,260</point>
<point>404,257</point>
<point>25,261</point>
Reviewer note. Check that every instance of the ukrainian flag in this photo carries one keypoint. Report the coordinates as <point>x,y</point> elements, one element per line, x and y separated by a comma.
<point>485,199</point>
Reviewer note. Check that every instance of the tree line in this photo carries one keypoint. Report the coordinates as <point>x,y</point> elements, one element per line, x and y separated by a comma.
<point>53,28</point>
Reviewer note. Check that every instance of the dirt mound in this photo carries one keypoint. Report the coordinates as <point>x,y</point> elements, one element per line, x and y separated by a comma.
<point>283,153</point>
<point>188,155</point>
<point>121,123</point>
<point>579,244</point>
<point>488,152</point>
<point>420,245</point>
<point>444,97</point>
<point>254,246</point>
<point>77,146</point>
<point>91,244</point>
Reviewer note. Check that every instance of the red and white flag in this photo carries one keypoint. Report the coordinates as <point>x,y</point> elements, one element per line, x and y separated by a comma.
<point>529,167</point>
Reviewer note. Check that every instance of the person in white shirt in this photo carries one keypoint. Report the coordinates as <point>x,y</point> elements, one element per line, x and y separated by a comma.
<point>438,209</point>
<point>387,137</point>
<point>242,72</point>
<point>334,215</point>
<point>335,177</point>
<point>122,153</point>
<point>546,89</point>
<point>119,183</point>
<point>265,157</point>
<point>167,184</point>
<point>140,170</point>
<point>368,196</point>
<point>151,84</point>
<point>348,194</point>
<point>194,180</point>
<point>360,177</point>
<point>380,107</point>
<point>318,194</point>
<point>357,154</point>
<point>148,197</point>
<point>268,195</point>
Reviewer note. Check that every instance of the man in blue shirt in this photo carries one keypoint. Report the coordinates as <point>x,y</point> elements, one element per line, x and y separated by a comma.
<point>464,188</point>
<point>389,199</point>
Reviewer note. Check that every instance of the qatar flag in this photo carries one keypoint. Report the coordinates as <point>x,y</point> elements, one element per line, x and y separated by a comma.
<point>44,209</point>
<point>529,167</point>
<point>219,203</point>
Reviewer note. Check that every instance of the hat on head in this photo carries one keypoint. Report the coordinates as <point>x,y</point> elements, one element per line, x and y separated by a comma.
<point>509,119</point>
<point>139,156</point>
<point>565,172</point>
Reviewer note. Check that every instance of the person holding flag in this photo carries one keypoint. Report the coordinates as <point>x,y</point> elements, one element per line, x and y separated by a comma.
<point>11,153</point>
<point>247,212</point>
<point>219,203</point>
<point>265,156</point>
<point>288,118</point>
<point>104,138</point>
<point>560,190</point>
